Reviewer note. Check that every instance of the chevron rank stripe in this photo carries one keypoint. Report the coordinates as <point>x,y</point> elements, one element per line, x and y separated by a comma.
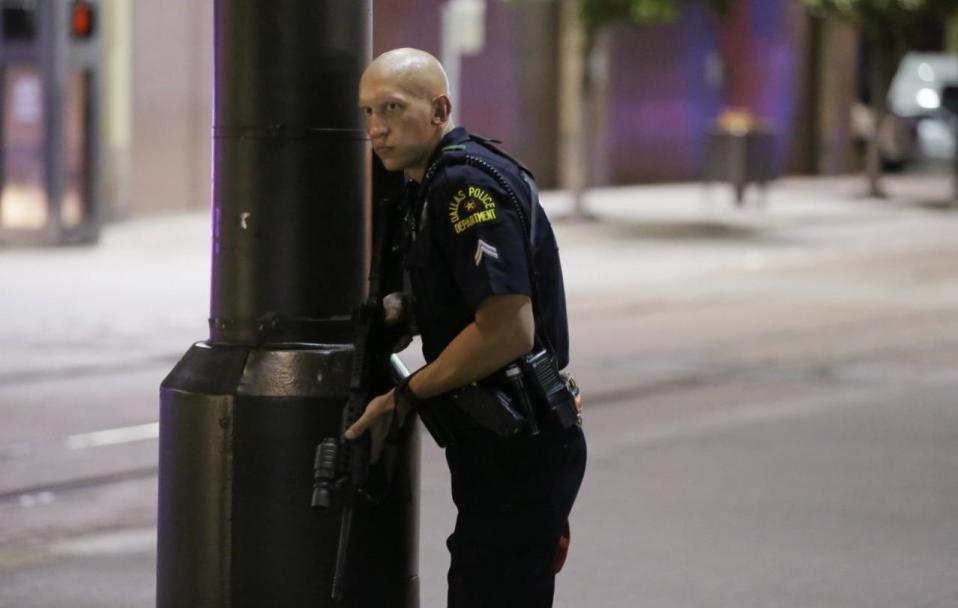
<point>484,248</point>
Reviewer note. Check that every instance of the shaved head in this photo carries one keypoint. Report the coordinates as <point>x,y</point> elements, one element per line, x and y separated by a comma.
<point>415,71</point>
<point>404,98</point>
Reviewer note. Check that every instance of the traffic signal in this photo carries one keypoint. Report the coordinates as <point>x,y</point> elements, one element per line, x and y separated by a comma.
<point>81,20</point>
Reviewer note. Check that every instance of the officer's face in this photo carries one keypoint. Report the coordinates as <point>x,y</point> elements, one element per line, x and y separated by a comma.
<point>401,125</point>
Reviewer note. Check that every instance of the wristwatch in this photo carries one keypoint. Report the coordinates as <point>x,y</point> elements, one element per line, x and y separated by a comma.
<point>405,391</point>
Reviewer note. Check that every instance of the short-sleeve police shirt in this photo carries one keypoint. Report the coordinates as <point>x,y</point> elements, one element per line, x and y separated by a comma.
<point>467,243</point>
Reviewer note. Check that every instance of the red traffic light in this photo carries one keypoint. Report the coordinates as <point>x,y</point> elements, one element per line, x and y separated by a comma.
<point>81,21</point>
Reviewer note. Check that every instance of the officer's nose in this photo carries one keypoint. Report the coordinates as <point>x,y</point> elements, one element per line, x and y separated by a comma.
<point>376,129</point>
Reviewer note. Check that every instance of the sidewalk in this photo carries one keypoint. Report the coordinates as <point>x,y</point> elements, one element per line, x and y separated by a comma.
<point>650,235</point>
<point>145,286</point>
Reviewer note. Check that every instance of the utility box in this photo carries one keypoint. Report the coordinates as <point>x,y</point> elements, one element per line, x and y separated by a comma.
<point>49,121</point>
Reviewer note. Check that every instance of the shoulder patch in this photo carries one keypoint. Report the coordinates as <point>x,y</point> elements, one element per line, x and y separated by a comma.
<point>471,206</point>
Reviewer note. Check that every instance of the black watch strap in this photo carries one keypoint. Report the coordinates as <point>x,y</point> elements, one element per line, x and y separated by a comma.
<point>405,391</point>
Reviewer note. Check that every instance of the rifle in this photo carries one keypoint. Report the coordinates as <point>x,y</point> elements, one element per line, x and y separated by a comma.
<point>340,466</point>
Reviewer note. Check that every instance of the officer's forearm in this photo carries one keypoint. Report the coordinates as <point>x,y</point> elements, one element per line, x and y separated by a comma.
<point>503,330</point>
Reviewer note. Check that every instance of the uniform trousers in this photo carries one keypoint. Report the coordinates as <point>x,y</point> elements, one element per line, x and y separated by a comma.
<point>513,497</point>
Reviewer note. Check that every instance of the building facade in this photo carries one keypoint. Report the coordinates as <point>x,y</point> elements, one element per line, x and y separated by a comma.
<point>659,90</point>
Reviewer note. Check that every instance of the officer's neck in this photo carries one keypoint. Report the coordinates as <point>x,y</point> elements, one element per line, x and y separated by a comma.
<point>417,172</point>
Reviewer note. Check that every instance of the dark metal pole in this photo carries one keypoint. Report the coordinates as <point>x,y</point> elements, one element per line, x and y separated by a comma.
<point>241,414</point>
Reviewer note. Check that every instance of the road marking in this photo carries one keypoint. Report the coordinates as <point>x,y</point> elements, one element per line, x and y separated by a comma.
<point>79,441</point>
<point>137,540</point>
<point>125,434</point>
<point>38,499</point>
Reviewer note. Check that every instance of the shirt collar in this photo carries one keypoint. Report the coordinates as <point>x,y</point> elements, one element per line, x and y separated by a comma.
<point>459,135</point>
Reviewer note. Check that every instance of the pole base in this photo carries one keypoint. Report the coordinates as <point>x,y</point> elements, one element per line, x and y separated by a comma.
<point>238,431</point>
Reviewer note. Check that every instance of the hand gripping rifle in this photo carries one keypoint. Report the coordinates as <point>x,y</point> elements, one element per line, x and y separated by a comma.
<point>342,467</point>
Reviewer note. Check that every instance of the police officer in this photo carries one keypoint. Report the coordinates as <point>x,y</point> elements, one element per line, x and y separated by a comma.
<point>487,289</point>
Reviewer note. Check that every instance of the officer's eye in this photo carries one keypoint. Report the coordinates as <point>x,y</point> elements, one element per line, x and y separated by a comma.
<point>392,106</point>
<point>367,111</point>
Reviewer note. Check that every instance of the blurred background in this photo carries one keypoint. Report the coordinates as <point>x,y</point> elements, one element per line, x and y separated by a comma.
<point>756,203</point>
<point>647,86</point>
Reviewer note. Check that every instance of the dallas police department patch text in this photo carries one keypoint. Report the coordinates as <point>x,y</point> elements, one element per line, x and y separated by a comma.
<point>470,207</point>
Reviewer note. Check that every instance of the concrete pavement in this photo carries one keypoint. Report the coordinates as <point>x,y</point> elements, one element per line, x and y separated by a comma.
<point>147,282</point>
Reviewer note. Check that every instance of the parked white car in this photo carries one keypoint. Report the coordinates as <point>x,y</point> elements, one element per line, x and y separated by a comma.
<point>915,95</point>
<point>917,126</point>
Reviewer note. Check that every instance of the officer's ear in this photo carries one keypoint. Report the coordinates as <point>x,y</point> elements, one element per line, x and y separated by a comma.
<point>441,110</point>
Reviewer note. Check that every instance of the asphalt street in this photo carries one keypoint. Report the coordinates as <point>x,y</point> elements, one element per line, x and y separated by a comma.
<point>770,402</point>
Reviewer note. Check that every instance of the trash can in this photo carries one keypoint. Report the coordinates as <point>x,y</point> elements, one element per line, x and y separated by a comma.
<point>739,151</point>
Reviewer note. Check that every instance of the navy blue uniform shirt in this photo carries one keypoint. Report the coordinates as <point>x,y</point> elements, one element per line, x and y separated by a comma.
<point>467,243</point>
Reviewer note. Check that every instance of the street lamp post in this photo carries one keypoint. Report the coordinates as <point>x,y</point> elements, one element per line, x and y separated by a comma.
<point>242,413</point>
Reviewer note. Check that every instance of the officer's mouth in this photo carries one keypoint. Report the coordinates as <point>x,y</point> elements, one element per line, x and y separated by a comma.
<point>380,150</point>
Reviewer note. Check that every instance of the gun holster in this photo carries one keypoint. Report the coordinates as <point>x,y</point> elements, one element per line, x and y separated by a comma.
<point>469,408</point>
<point>490,408</point>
